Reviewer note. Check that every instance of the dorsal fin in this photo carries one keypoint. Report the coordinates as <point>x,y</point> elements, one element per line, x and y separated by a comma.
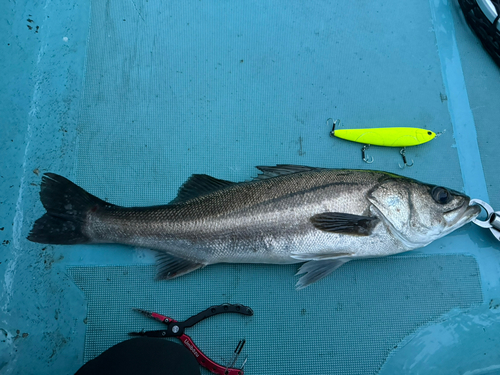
<point>281,170</point>
<point>198,185</point>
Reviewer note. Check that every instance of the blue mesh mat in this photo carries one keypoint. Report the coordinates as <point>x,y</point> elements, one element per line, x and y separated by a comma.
<point>128,99</point>
<point>171,90</point>
<point>347,323</point>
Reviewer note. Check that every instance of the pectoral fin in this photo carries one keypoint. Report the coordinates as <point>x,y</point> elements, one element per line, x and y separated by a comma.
<point>317,269</point>
<point>170,267</point>
<point>338,222</point>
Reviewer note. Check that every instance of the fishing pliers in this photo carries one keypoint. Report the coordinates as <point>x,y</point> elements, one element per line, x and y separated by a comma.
<point>176,329</point>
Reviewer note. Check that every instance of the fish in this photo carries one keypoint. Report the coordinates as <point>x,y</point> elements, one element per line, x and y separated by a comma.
<point>287,214</point>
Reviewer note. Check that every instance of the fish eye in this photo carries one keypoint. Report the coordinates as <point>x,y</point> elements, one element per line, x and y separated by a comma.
<point>440,195</point>
<point>429,133</point>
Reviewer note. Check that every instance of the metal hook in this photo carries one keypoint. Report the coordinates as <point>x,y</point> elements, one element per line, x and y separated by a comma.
<point>363,155</point>
<point>405,163</point>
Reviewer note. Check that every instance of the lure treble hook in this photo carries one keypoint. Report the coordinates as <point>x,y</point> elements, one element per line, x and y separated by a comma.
<point>405,163</point>
<point>366,159</point>
<point>363,154</point>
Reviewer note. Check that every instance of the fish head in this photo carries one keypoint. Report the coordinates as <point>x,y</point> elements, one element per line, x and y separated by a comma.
<point>419,213</point>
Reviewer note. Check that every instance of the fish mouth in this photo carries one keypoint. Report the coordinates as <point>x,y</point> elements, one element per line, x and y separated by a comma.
<point>460,216</point>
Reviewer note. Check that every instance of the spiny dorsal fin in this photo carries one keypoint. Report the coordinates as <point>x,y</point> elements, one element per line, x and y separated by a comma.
<point>281,170</point>
<point>198,185</point>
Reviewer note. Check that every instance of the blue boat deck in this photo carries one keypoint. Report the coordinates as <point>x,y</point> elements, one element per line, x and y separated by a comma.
<point>128,99</point>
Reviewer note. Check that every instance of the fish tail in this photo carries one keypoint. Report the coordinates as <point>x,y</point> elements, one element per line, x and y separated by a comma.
<point>68,207</point>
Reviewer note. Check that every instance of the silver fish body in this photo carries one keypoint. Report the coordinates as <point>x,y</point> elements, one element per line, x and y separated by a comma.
<point>288,214</point>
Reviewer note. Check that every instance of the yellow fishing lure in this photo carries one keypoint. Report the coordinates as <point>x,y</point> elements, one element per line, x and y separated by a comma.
<point>388,137</point>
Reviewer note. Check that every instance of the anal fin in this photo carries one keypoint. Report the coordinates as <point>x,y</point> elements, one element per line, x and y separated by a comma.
<point>170,267</point>
<point>317,269</point>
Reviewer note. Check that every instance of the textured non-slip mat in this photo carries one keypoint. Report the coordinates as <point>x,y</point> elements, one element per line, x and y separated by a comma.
<point>346,323</point>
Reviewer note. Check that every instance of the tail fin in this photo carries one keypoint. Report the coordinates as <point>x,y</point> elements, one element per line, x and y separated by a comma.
<point>68,206</point>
